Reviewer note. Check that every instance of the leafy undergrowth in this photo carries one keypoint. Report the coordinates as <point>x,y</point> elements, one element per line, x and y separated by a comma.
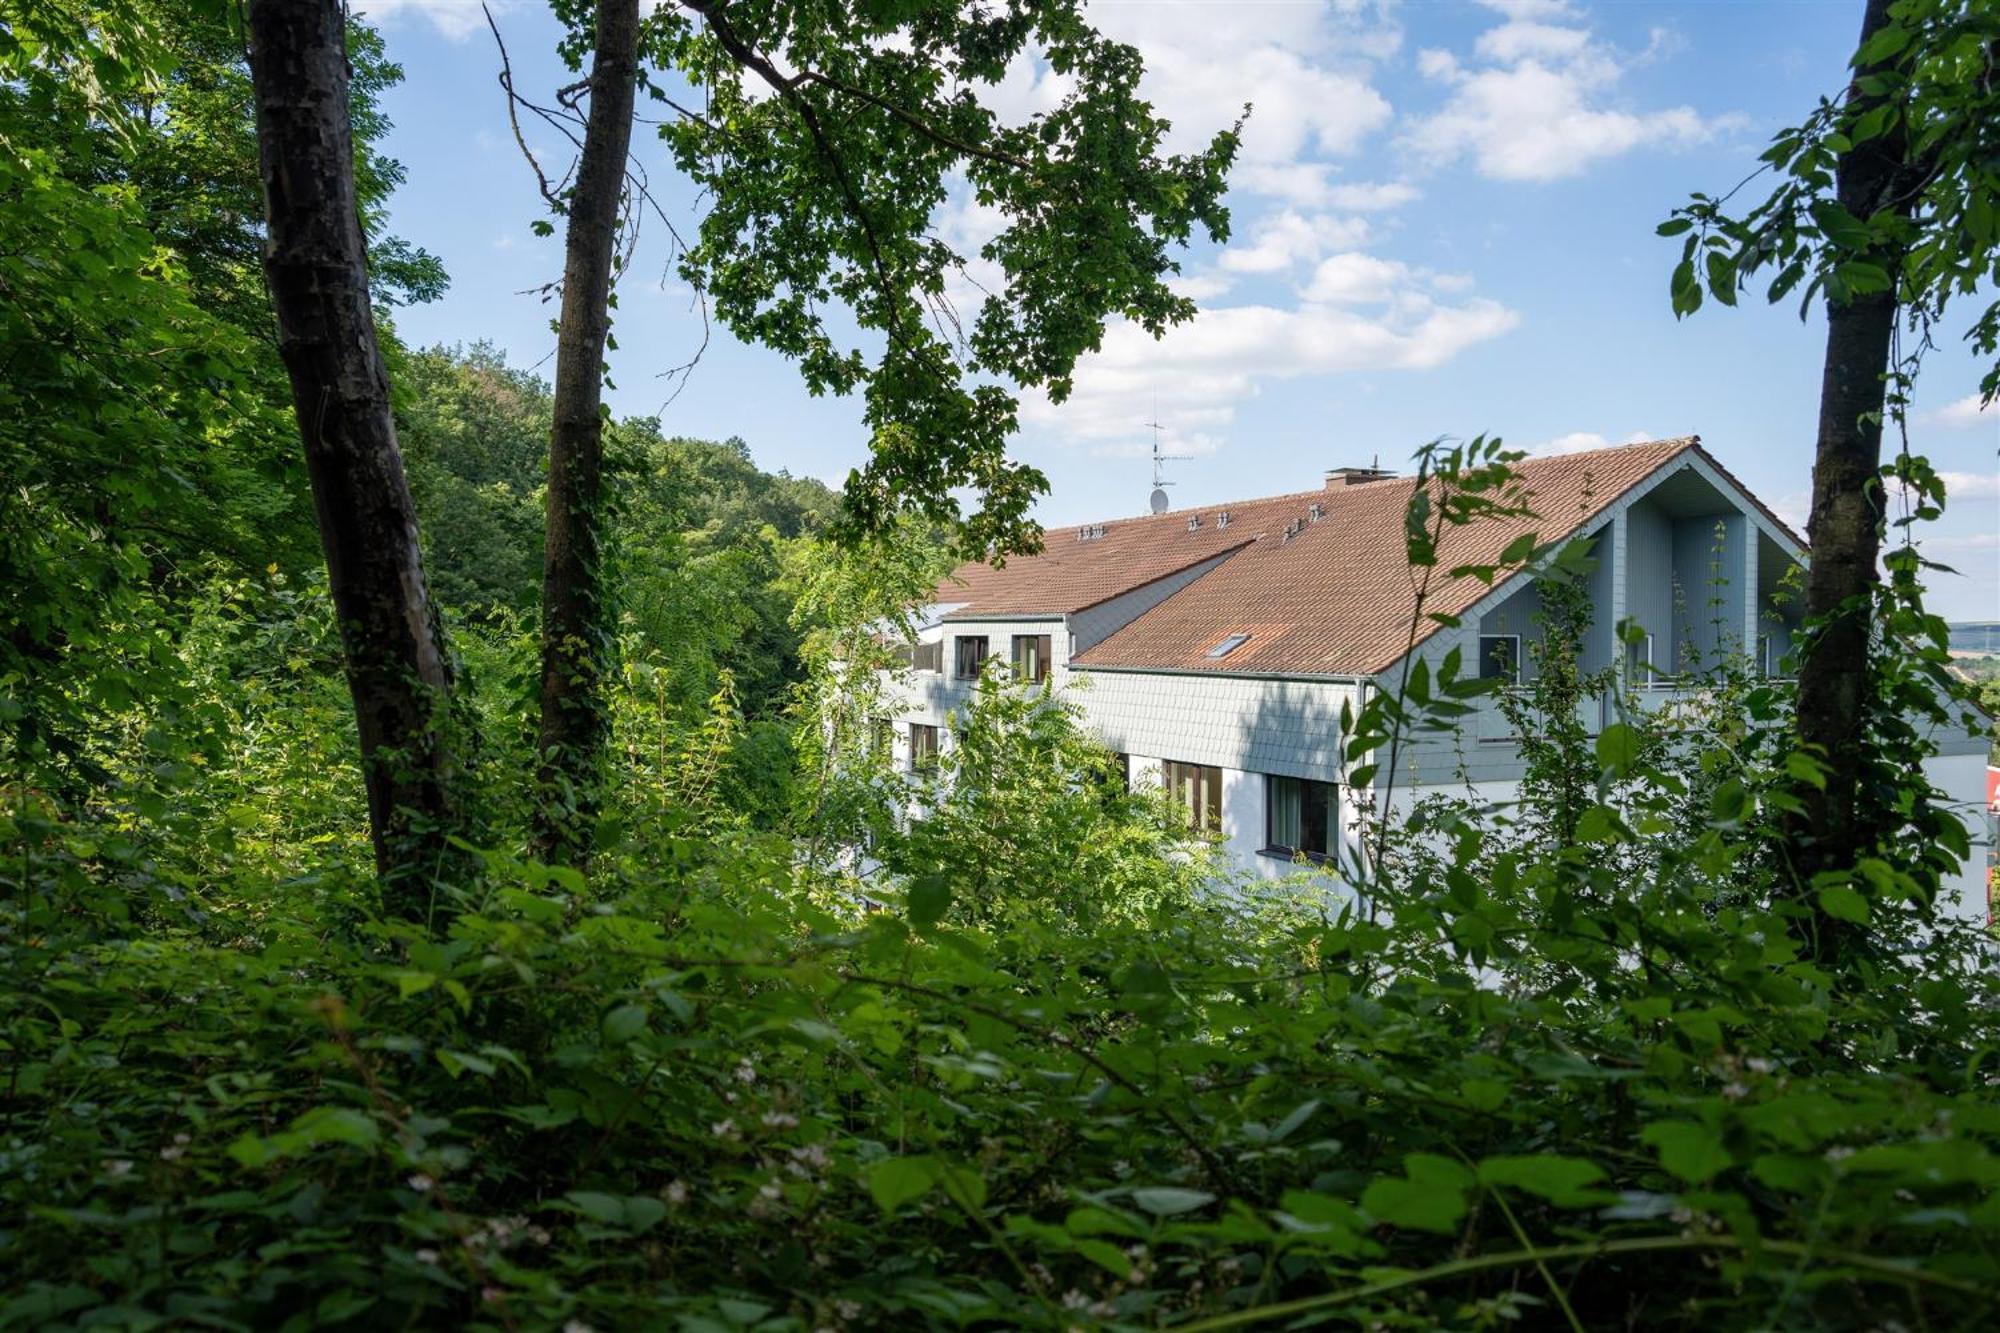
<point>698,1101</point>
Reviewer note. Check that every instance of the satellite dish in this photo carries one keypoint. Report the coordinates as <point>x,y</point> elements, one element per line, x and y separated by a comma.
<point>1159,501</point>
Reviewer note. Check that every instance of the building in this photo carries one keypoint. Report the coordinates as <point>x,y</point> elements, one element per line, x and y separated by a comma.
<point>1214,648</point>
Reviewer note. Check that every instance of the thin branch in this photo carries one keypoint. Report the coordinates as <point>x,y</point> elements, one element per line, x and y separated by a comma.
<point>1874,1265</point>
<point>513,118</point>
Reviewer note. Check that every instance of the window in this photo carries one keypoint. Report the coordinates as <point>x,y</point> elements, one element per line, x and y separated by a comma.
<point>1197,790</point>
<point>928,657</point>
<point>1302,818</point>
<point>923,746</point>
<point>969,655</point>
<point>1031,657</point>
<point>1229,645</point>
<point>1639,660</point>
<point>1500,657</point>
<point>884,736</point>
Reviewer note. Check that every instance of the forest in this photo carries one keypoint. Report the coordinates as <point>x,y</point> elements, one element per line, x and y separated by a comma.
<point>450,876</point>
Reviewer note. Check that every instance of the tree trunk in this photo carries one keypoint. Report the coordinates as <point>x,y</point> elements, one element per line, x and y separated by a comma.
<point>317,268</point>
<point>576,634</point>
<point>1845,528</point>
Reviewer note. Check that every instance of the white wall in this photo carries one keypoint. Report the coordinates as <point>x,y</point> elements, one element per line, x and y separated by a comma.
<point>1962,778</point>
<point>1288,727</point>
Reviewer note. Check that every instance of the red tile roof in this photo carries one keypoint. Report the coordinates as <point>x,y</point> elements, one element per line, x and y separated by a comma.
<point>1336,599</point>
<point>1070,575</point>
<point>1339,598</point>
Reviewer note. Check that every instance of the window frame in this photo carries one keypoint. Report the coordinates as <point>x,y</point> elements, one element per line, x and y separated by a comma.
<point>1044,647</point>
<point>923,757</point>
<point>928,657</point>
<point>1204,817</point>
<point>1514,677</point>
<point>960,645</point>
<point>1335,807</point>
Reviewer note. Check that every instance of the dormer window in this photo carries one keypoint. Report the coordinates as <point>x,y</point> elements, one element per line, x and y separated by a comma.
<point>1229,645</point>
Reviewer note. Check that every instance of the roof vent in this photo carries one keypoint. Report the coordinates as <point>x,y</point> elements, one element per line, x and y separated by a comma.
<point>1194,522</point>
<point>1222,518</point>
<point>1091,533</point>
<point>1229,645</point>
<point>1356,476</point>
<point>1294,528</point>
<point>1315,512</point>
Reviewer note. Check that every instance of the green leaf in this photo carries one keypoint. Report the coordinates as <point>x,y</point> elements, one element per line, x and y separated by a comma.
<point>1692,1151</point>
<point>634,1213</point>
<point>1563,1181</point>
<point>1618,747</point>
<point>1168,1200</point>
<point>1430,1198</point>
<point>895,1181</point>
<point>1804,768</point>
<point>1483,1094</point>
<point>1844,904</point>
<point>624,1023</point>
<point>1106,1256</point>
<point>929,897</point>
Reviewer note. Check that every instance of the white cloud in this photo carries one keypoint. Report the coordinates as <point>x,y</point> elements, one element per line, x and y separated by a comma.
<point>1306,68</point>
<point>1535,104</point>
<point>1971,485</point>
<point>1966,411</point>
<point>456,19</point>
<point>1195,377</point>
<point>1199,286</point>
<point>1291,238</point>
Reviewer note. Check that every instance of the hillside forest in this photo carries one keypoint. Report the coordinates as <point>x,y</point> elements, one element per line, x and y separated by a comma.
<point>450,871</point>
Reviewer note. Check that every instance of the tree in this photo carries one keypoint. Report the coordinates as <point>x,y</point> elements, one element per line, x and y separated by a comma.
<point>1888,204</point>
<point>576,634</point>
<point>829,140</point>
<point>316,263</point>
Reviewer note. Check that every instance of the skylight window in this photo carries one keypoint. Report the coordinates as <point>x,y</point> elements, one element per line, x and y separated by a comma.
<point>1229,645</point>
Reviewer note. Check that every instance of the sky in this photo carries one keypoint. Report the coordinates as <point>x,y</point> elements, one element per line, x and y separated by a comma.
<point>1443,226</point>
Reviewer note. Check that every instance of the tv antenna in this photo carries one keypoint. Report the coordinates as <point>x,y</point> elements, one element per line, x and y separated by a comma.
<point>1160,483</point>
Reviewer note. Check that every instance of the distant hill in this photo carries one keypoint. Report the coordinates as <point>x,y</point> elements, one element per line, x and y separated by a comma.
<point>1976,636</point>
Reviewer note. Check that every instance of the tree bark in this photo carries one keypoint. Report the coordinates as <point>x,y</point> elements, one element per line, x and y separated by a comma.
<point>576,634</point>
<point>316,265</point>
<point>1845,528</point>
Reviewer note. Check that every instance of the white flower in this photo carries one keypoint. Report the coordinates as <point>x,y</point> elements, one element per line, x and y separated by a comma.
<point>427,1256</point>
<point>421,1183</point>
<point>779,1120</point>
<point>117,1167</point>
<point>577,1326</point>
<point>676,1193</point>
<point>724,1129</point>
<point>746,1072</point>
<point>770,1190</point>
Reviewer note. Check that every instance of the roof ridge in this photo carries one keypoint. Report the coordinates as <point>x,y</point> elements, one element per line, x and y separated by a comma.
<point>1678,441</point>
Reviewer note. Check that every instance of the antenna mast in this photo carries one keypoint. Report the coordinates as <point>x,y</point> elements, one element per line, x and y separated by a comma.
<point>1160,483</point>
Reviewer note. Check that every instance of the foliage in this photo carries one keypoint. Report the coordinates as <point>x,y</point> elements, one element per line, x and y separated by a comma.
<point>791,1060</point>
<point>1024,815</point>
<point>1930,74</point>
<point>830,138</point>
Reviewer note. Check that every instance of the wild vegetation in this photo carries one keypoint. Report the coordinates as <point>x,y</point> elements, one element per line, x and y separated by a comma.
<point>774,1053</point>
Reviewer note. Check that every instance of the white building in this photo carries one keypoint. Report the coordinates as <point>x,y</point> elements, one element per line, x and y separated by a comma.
<point>1216,647</point>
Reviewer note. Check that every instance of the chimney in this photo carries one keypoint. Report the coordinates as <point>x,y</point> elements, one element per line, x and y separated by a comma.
<point>1338,477</point>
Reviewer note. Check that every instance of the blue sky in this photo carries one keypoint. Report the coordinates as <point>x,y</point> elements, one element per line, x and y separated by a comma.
<point>1443,221</point>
